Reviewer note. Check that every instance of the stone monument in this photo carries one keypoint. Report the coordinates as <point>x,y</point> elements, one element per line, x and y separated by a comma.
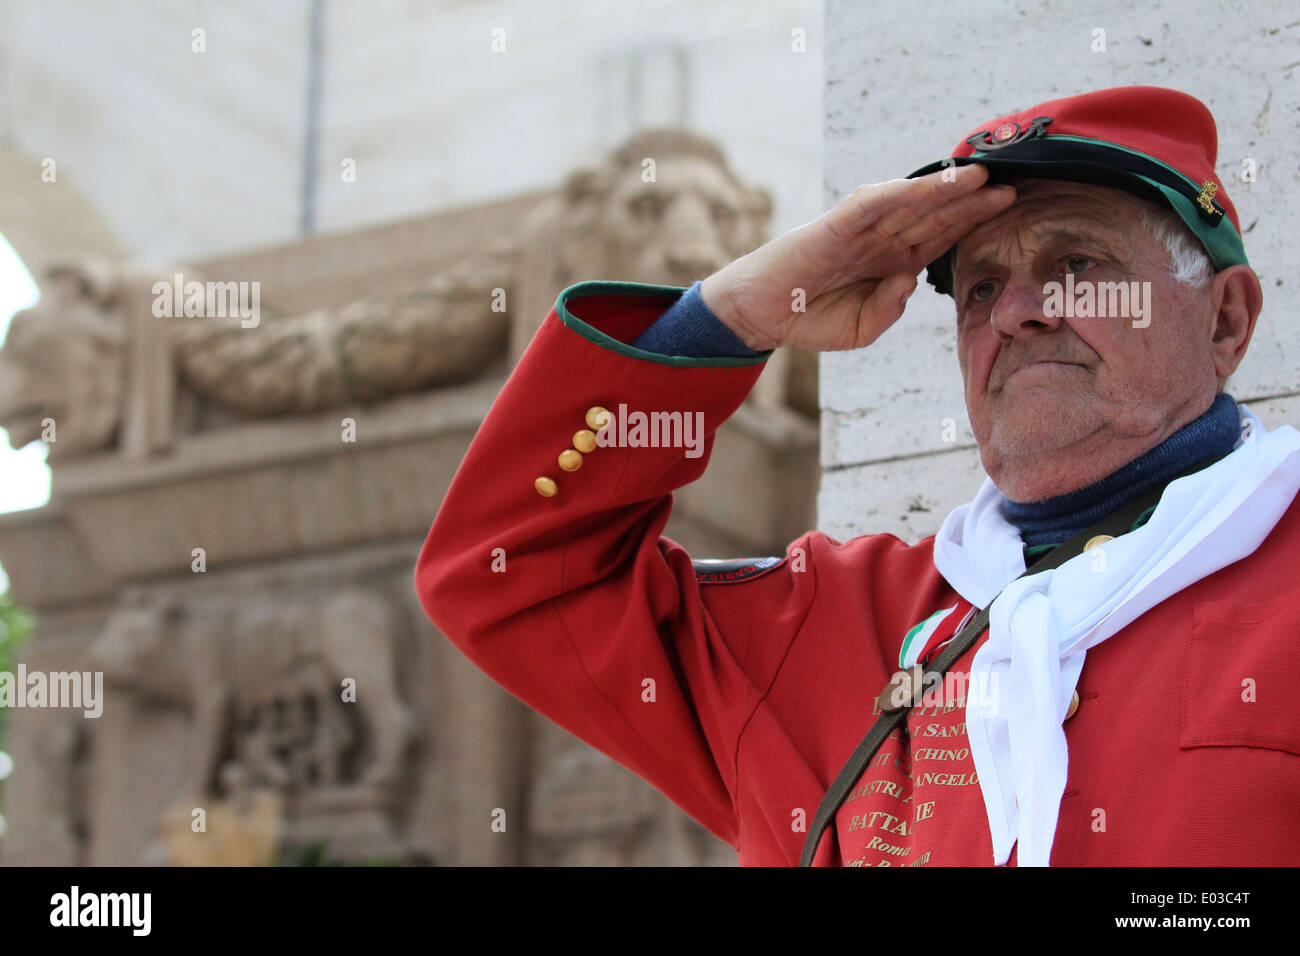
<point>239,495</point>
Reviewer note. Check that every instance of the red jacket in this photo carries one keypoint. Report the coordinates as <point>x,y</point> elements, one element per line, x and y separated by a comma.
<point>741,696</point>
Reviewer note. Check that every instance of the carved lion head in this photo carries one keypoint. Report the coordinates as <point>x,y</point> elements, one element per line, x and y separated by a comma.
<point>665,208</point>
<point>62,362</point>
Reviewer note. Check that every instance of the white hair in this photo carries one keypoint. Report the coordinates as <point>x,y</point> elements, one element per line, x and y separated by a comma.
<point>1188,261</point>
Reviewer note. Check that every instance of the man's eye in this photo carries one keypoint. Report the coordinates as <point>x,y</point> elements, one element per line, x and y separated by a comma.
<point>1077,264</point>
<point>984,291</point>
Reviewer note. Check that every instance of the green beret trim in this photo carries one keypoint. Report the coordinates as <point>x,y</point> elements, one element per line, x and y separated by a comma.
<point>1221,242</point>
<point>1220,239</point>
<point>670,294</point>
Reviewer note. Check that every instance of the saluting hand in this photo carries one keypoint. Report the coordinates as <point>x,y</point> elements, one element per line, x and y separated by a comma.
<point>856,264</point>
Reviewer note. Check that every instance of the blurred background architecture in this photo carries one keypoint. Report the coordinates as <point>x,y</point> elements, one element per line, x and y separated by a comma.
<point>238,499</point>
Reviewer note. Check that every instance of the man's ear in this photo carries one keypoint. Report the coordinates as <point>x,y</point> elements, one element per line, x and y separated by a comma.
<point>1236,298</point>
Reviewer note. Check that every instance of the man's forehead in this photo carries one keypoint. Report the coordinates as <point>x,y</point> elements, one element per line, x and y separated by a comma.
<point>1046,209</point>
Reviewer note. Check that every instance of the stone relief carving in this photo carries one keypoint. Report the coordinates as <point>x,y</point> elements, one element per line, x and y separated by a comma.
<point>669,222</point>
<point>608,222</point>
<point>276,757</point>
<point>94,358</point>
<point>62,763</point>
<point>265,683</point>
<point>66,361</point>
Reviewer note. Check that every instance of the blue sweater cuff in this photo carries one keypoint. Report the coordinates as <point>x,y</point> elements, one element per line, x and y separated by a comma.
<point>690,328</point>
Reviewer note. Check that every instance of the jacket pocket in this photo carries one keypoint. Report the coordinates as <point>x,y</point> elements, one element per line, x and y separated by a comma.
<point>1241,686</point>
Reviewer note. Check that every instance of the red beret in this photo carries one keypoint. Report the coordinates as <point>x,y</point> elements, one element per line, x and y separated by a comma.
<point>1155,143</point>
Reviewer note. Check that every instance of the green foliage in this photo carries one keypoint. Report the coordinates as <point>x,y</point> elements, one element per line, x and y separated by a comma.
<point>15,625</point>
<point>313,854</point>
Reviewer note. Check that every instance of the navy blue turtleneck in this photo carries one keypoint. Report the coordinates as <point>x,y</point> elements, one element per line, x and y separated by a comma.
<point>1053,520</point>
<point>691,328</point>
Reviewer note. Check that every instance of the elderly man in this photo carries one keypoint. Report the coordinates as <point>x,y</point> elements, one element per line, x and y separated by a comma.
<point>1091,661</point>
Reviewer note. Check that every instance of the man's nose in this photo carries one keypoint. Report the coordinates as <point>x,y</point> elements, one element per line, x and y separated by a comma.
<point>1023,308</point>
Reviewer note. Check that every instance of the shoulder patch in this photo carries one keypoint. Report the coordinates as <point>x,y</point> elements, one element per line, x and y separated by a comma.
<point>731,570</point>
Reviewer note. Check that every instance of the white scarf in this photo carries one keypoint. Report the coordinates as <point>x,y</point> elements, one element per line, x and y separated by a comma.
<point>1041,625</point>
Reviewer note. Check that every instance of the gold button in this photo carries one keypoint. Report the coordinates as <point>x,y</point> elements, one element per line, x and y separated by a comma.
<point>1074,705</point>
<point>597,417</point>
<point>570,460</point>
<point>584,441</point>
<point>545,487</point>
<point>1097,539</point>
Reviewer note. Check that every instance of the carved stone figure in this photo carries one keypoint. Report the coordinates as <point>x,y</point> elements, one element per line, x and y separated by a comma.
<point>60,777</point>
<point>64,362</point>
<point>664,208</point>
<point>443,331</point>
<point>243,685</point>
<point>94,359</point>
<point>270,678</point>
<point>110,357</point>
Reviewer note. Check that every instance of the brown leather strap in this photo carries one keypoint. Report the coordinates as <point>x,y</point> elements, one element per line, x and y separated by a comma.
<point>1114,524</point>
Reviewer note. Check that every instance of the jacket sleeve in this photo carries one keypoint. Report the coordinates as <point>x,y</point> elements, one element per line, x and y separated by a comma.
<point>574,602</point>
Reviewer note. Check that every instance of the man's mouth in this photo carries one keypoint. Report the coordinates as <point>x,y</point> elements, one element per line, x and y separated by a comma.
<point>1047,363</point>
<point>1038,368</point>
